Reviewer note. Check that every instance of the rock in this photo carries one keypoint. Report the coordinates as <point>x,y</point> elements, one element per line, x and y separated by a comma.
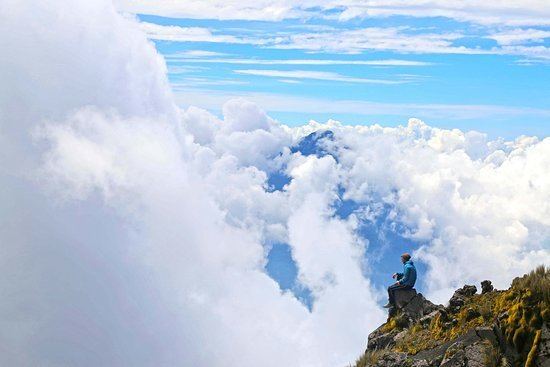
<point>467,290</point>
<point>414,310</point>
<point>421,363</point>
<point>392,359</point>
<point>380,340</point>
<point>459,297</point>
<point>475,355</point>
<point>434,355</point>
<point>543,356</point>
<point>426,320</point>
<point>487,333</point>
<point>400,335</point>
<point>472,314</point>
<point>486,286</point>
<point>443,316</point>
<point>403,297</point>
<point>455,303</point>
<point>454,356</point>
<point>463,354</point>
<point>411,305</point>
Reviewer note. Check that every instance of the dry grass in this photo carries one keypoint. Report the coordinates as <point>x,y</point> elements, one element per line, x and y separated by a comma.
<point>370,358</point>
<point>525,306</point>
<point>494,356</point>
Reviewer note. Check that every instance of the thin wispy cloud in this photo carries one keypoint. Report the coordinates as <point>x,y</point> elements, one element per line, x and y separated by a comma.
<point>317,75</point>
<point>400,40</point>
<point>355,41</point>
<point>192,34</point>
<point>388,62</point>
<point>517,36</point>
<point>505,12</point>
<point>212,99</point>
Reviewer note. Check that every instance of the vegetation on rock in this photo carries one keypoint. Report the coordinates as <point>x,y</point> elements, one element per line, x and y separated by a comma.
<point>507,325</point>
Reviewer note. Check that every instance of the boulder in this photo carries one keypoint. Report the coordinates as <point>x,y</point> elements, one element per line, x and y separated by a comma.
<point>467,351</point>
<point>471,314</point>
<point>459,297</point>
<point>404,296</point>
<point>486,286</point>
<point>392,359</point>
<point>475,355</point>
<point>412,305</point>
<point>379,339</point>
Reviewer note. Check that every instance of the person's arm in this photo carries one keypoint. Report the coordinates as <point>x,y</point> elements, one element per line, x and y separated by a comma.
<point>405,278</point>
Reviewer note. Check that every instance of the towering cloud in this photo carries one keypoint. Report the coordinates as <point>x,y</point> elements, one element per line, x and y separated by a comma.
<point>136,234</point>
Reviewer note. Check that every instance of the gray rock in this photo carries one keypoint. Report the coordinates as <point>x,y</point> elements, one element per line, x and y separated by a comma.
<point>459,297</point>
<point>380,340</point>
<point>487,333</point>
<point>392,359</point>
<point>403,297</point>
<point>454,356</point>
<point>543,355</point>
<point>475,355</point>
<point>420,363</point>
<point>461,355</point>
<point>486,286</point>
<point>426,320</point>
<point>400,335</point>
<point>471,314</point>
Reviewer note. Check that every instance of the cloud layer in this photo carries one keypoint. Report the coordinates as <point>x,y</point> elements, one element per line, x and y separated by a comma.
<point>137,234</point>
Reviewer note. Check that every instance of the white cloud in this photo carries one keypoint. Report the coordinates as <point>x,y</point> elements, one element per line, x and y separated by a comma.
<point>519,36</point>
<point>199,53</point>
<point>125,241</point>
<point>384,62</point>
<point>317,75</point>
<point>212,100</point>
<point>506,12</point>
<point>515,41</point>
<point>132,231</point>
<point>191,34</point>
<point>215,9</point>
<point>355,41</point>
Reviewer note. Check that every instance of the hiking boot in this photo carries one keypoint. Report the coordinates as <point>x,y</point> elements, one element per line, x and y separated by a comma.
<point>388,305</point>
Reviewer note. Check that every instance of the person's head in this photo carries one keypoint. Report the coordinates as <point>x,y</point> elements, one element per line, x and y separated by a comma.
<point>405,257</point>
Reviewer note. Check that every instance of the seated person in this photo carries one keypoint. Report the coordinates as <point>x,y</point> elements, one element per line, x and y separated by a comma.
<point>405,280</point>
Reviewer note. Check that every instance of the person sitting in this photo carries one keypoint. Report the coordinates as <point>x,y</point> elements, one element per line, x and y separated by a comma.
<point>404,280</point>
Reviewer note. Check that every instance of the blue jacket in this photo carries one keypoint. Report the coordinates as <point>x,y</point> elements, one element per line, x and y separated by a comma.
<point>408,276</point>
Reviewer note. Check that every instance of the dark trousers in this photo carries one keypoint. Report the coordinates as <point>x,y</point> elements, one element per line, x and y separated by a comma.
<point>395,288</point>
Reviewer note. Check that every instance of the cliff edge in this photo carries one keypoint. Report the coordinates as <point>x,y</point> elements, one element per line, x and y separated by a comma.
<point>493,328</point>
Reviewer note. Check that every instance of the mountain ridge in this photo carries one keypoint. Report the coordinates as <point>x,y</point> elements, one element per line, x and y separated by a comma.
<point>494,328</point>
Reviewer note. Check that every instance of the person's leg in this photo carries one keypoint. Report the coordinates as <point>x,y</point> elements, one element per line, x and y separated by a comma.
<point>391,296</point>
<point>395,288</point>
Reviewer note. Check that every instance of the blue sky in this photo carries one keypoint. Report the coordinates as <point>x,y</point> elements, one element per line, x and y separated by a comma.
<point>451,73</point>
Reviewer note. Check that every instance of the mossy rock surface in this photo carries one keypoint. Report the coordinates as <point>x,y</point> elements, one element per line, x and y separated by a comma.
<point>517,316</point>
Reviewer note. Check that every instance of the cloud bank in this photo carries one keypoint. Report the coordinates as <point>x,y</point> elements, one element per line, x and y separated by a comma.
<point>136,234</point>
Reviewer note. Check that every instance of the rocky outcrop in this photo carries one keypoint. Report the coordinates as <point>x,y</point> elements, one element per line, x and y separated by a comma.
<point>486,286</point>
<point>412,305</point>
<point>459,297</point>
<point>495,328</point>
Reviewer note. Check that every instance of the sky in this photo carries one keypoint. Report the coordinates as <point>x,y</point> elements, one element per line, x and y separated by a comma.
<point>156,211</point>
<point>469,66</point>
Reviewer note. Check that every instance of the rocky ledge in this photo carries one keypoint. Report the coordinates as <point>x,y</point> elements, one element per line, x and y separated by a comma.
<point>507,328</point>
